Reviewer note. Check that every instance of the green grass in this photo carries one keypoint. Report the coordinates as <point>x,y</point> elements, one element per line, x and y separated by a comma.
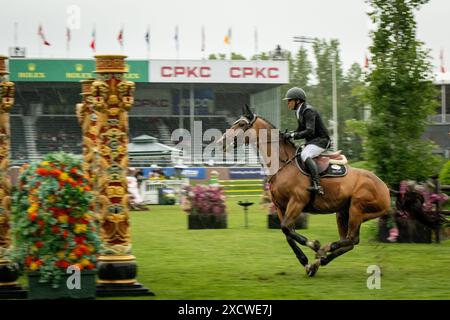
<point>257,263</point>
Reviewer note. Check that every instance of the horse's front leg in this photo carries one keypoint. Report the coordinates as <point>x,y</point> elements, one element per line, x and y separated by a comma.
<point>287,223</point>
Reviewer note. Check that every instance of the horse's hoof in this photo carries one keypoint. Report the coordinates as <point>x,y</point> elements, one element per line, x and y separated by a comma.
<point>311,269</point>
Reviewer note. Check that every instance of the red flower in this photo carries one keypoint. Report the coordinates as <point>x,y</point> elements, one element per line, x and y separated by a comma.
<point>65,234</point>
<point>40,223</point>
<point>28,260</point>
<point>39,244</point>
<point>55,229</point>
<point>72,219</point>
<point>80,239</point>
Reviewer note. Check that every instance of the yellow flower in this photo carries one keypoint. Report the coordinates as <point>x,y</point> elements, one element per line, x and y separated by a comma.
<point>61,254</point>
<point>85,262</point>
<point>80,228</point>
<point>34,266</point>
<point>63,218</point>
<point>33,208</point>
<point>63,176</point>
<point>52,198</point>
<point>72,256</point>
<point>45,163</point>
<point>87,216</point>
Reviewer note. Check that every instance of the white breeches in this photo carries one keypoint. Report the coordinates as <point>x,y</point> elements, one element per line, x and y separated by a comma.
<point>311,151</point>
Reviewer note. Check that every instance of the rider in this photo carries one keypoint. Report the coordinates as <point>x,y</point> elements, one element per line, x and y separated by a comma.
<point>311,128</point>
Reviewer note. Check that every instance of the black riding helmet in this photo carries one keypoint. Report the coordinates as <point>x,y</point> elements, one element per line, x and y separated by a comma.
<point>295,93</point>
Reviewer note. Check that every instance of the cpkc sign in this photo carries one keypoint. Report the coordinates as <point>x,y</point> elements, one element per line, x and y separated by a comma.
<point>218,71</point>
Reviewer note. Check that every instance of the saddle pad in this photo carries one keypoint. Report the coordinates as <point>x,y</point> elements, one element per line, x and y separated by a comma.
<point>333,170</point>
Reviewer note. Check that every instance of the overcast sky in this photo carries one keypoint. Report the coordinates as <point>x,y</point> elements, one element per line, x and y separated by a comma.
<point>276,22</point>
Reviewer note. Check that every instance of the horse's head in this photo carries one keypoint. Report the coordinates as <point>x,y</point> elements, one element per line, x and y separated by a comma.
<point>241,127</point>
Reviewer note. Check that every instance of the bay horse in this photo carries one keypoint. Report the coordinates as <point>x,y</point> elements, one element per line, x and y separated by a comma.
<point>356,197</point>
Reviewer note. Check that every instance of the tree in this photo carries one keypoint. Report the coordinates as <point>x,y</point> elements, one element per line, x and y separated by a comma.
<point>350,112</point>
<point>401,95</point>
<point>302,69</point>
<point>237,56</point>
<point>321,94</point>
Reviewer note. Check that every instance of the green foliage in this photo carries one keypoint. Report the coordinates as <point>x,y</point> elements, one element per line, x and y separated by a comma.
<point>223,56</point>
<point>237,56</point>
<point>53,225</point>
<point>444,175</point>
<point>401,95</point>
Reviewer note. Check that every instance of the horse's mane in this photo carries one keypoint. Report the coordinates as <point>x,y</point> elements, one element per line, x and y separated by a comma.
<point>288,142</point>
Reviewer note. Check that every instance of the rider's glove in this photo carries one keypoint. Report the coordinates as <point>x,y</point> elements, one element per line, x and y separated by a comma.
<point>288,135</point>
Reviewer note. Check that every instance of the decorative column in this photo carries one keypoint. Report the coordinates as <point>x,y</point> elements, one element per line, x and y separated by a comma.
<point>8,270</point>
<point>87,118</point>
<point>112,98</point>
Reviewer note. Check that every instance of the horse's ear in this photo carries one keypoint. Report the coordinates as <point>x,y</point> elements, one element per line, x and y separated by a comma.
<point>248,112</point>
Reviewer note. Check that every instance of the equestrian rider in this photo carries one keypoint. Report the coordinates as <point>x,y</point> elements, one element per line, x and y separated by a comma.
<point>311,128</point>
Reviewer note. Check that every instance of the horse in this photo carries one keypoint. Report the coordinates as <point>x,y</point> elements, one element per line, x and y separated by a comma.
<point>357,197</point>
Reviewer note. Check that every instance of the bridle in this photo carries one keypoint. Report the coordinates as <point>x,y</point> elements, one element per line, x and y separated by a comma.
<point>248,125</point>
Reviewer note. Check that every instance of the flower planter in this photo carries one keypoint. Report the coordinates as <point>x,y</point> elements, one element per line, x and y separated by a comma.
<point>41,291</point>
<point>207,221</point>
<point>409,231</point>
<point>274,223</point>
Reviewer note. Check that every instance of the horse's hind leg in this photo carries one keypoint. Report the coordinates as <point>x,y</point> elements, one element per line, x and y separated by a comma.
<point>337,248</point>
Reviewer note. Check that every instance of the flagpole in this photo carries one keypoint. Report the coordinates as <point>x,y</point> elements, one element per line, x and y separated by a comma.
<point>16,27</point>
<point>148,42</point>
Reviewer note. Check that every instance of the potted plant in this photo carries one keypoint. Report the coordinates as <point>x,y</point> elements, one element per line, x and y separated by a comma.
<point>205,205</point>
<point>54,228</point>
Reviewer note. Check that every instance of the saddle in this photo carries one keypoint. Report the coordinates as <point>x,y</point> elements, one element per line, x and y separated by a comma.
<point>329,164</point>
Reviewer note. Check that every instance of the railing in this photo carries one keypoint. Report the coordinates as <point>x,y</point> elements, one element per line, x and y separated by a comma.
<point>150,189</point>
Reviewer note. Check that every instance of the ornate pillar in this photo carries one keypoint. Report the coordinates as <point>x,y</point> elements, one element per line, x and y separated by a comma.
<point>87,118</point>
<point>112,98</point>
<point>8,270</point>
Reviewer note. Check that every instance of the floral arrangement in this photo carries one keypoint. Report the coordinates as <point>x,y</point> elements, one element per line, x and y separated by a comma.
<point>53,224</point>
<point>204,199</point>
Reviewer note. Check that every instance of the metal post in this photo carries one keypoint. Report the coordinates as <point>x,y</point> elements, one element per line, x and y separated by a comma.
<point>335,117</point>
<point>334,90</point>
<point>443,104</point>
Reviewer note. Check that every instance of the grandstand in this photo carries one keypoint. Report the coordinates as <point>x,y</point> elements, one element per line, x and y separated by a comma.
<point>43,118</point>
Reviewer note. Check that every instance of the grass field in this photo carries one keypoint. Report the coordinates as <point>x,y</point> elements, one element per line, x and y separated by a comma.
<point>257,263</point>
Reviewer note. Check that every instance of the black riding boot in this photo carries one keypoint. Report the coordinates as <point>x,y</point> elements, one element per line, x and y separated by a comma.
<point>315,180</point>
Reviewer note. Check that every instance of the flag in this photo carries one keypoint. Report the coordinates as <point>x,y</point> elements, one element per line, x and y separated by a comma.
<point>177,40</point>
<point>203,39</point>
<point>366,62</point>
<point>41,34</point>
<point>227,38</point>
<point>92,45</point>
<point>256,40</point>
<point>441,58</point>
<point>68,38</point>
<point>120,37</point>
<point>147,36</point>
